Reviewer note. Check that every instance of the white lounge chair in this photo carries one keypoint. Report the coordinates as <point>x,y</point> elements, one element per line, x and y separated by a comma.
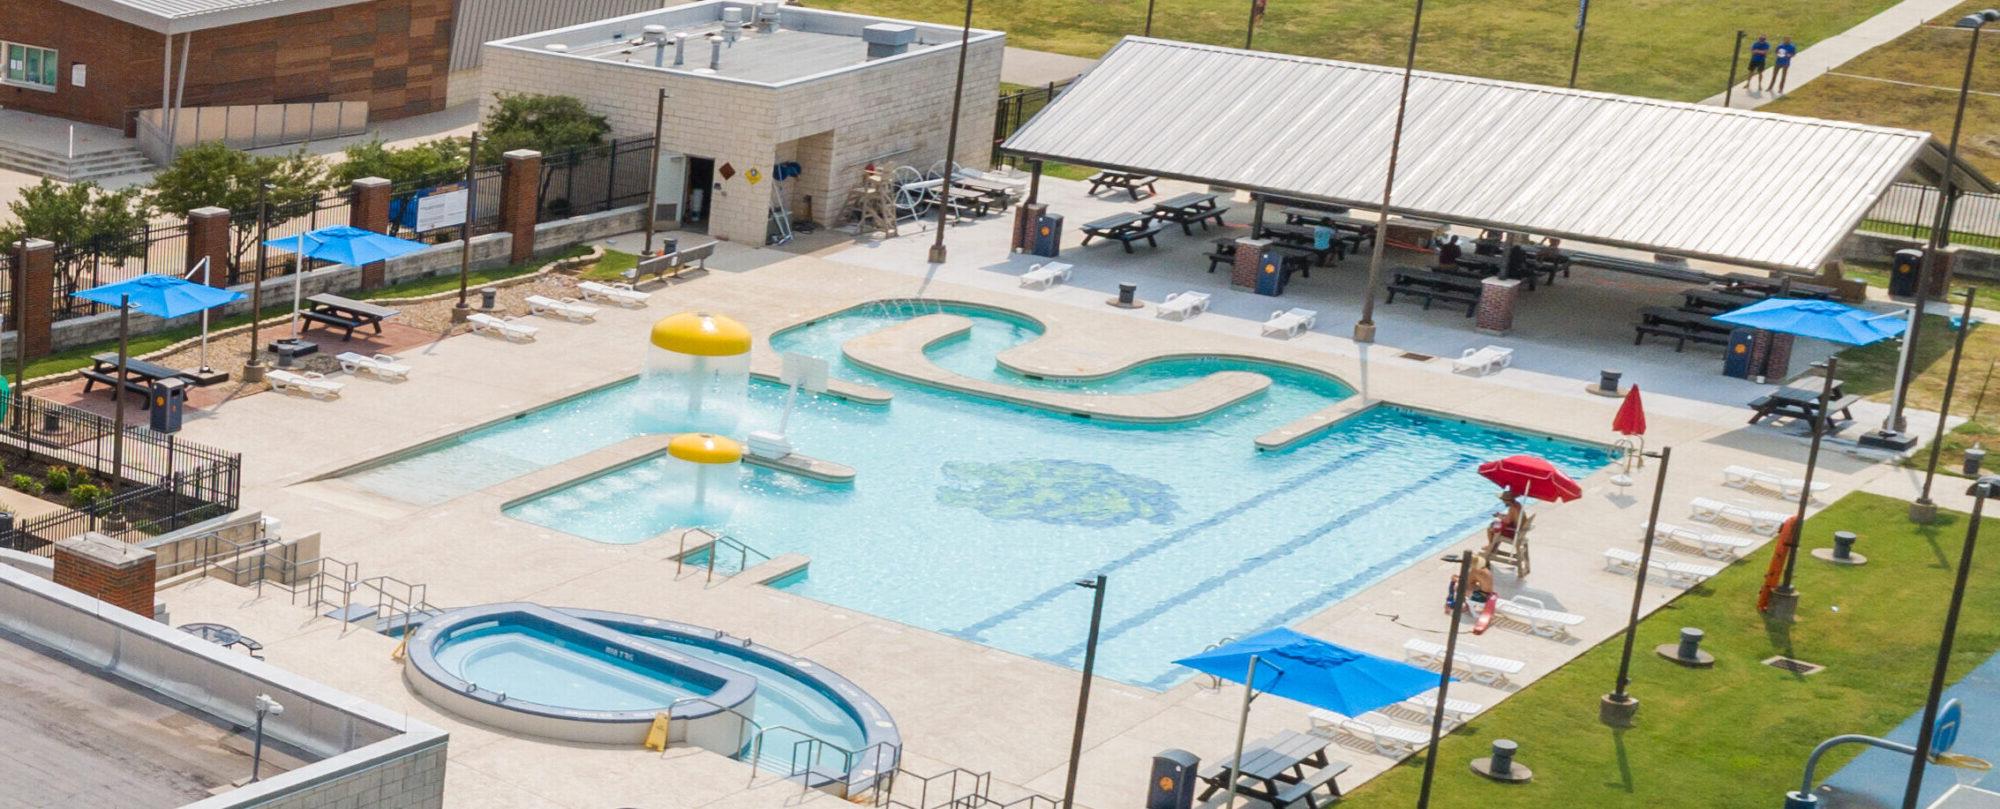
<point>1482,667</point>
<point>1483,360</point>
<point>1709,509</point>
<point>1182,305</point>
<point>1721,547</point>
<point>381,365</point>
<point>1622,560</point>
<point>1540,619</point>
<point>510,328</point>
<point>569,309</point>
<point>1748,479</point>
<point>309,383</point>
<point>1455,710</point>
<point>1389,738</point>
<point>621,294</point>
<point>1290,323</point>
<point>1043,276</point>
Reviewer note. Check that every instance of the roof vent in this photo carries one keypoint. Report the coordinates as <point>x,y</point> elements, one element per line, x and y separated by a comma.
<point>767,15</point>
<point>732,23</point>
<point>714,52</point>
<point>657,34</point>
<point>888,39</point>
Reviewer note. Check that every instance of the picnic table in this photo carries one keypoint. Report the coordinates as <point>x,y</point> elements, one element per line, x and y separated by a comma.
<point>1291,261</point>
<point>1774,287</point>
<point>1128,182</point>
<point>334,311</point>
<point>1186,210</point>
<point>1308,217</point>
<point>1126,228</point>
<point>1803,403</point>
<point>1709,301</point>
<point>1001,193</point>
<point>1274,770</point>
<point>965,201</point>
<point>1301,238</point>
<point>1681,327</point>
<point>139,375</point>
<point>1434,287</point>
<point>225,636</point>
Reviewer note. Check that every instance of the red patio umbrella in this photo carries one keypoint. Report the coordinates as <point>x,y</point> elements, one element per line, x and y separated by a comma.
<point>1530,476</point>
<point>1631,418</point>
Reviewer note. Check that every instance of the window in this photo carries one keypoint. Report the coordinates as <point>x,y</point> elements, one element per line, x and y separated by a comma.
<point>29,65</point>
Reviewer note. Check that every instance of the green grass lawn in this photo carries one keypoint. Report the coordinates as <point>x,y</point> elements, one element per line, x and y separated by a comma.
<point>1736,735</point>
<point>1675,49</point>
<point>1871,371</point>
<point>1958,237</point>
<point>611,267</point>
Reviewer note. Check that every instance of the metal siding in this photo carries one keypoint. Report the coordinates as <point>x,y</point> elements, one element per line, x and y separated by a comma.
<point>481,21</point>
<point>1753,188</point>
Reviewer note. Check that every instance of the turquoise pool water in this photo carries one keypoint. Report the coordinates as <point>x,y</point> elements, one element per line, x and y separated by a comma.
<point>531,665</point>
<point>974,518</point>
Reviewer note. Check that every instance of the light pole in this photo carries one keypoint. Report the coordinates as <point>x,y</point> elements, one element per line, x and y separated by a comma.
<point>653,187</point>
<point>937,255</point>
<point>1980,490</point>
<point>1735,56</point>
<point>1464,560</point>
<point>1582,20</point>
<point>1250,30</point>
<point>1364,330</point>
<point>1785,600</point>
<point>1096,586</point>
<point>1617,708</point>
<point>253,370</point>
<point>1923,510</point>
<point>1149,18</point>
<point>266,706</point>
<point>463,310</point>
<point>1891,435</point>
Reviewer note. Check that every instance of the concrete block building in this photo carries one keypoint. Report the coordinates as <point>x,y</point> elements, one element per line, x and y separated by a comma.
<point>754,86</point>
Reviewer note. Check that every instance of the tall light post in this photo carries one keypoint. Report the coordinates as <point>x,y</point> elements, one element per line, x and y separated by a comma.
<point>1891,435</point>
<point>253,369</point>
<point>1149,18</point>
<point>1576,58</point>
<point>1460,588</point>
<point>1096,586</point>
<point>1617,708</point>
<point>1364,330</point>
<point>1250,30</point>
<point>1785,600</point>
<point>462,311</point>
<point>1924,510</point>
<point>937,255</point>
<point>653,187</point>
<point>1981,489</point>
<point>1735,57</point>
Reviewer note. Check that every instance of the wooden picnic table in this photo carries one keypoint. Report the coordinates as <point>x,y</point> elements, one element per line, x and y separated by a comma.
<point>1681,327</point>
<point>1434,286</point>
<point>1709,301</point>
<point>1128,182</point>
<point>346,314</point>
<point>1302,238</point>
<point>1308,217</point>
<point>1274,770</point>
<point>1126,228</point>
<point>1802,402</point>
<point>963,200</point>
<point>139,375</point>
<point>1186,210</point>
<point>1775,287</point>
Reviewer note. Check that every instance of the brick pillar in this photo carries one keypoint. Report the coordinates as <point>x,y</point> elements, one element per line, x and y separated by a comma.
<point>1495,315</point>
<point>34,296</point>
<point>1778,358</point>
<point>370,211</point>
<point>1938,280</point>
<point>1248,253</point>
<point>1025,217</point>
<point>208,237</point>
<point>101,567</point>
<point>520,177</point>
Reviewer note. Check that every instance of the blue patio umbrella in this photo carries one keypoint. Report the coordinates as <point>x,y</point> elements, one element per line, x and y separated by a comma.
<point>341,244</point>
<point>1820,320</point>
<point>166,297</point>
<point>1305,669</point>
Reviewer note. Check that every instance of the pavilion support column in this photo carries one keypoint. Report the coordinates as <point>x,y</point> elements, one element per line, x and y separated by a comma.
<point>1497,299</point>
<point>208,238</point>
<point>1026,216</point>
<point>1249,259</point>
<point>34,300</point>
<point>1778,357</point>
<point>1937,281</point>
<point>519,176</point>
<point>370,211</point>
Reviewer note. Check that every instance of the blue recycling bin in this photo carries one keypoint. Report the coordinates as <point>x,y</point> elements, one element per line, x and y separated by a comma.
<point>169,397</point>
<point>1173,780</point>
<point>1905,273</point>
<point>1271,273</point>
<point>1737,358</point>
<point>1048,236</point>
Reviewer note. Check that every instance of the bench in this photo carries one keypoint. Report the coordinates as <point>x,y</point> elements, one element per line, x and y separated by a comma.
<point>94,377</point>
<point>1680,326</point>
<point>1220,259</point>
<point>674,263</point>
<point>1306,788</point>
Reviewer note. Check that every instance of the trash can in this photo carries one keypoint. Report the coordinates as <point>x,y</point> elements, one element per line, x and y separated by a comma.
<point>1173,781</point>
<point>1904,273</point>
<point>1048,236</point>
<point>1739,359</point>
<point>1271,273</point>
<point>169,396</point>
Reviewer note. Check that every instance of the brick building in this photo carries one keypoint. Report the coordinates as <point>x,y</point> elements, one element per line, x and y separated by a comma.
<point>102,61</point>
<point>755,86</point>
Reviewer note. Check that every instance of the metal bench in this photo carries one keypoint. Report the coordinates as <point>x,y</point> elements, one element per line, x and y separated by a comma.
<point>673,264</point>
<point>1307,788</point>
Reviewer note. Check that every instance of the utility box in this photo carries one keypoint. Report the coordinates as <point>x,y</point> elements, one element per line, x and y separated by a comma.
<point>1270,273</point>
<point>1740,358</point>
<point>169,398</point>
<point>1173,782</point>
<point>1048,236</point>
<point>1905,272</point>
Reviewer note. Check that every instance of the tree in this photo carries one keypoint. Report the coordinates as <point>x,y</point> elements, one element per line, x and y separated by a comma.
<point>87,223</point>
<point>430,163</point>
<point>547,124</point>
<point>215,174</point>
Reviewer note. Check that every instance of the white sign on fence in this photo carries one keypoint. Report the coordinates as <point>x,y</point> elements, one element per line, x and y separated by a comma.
<point>444,209</point>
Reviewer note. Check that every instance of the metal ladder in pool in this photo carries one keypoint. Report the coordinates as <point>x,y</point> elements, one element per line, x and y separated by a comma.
<point>905,308</point>
<point>854,774</point>
<point>716,545</point>
<point>956,788</point>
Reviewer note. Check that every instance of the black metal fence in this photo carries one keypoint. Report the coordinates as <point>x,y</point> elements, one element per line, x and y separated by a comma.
<point>1909,209</point>
<point>1016,108</point>
<point>134,514</point>
<point>594,180</point>
<point>158,247</point>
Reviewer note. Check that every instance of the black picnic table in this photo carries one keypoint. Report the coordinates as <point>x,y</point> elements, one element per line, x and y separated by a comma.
<point>1186,210</point>
<point>1709,301</point>
<point>1126,228</point>
<point>139,375</point>
<point>1802,403</point>
<point>1128,182</point>
<point>1001,195</point>
<point>1291,260</point>
<point>977,203</point>
<point>1309,217</point>
<point>1680,326</point>
<point>1274,770</point>
<point>1434,286</point>
<point>1773,287</point>
<point>224,636</point>
<point>347,314</point>
<point>1302,238</point>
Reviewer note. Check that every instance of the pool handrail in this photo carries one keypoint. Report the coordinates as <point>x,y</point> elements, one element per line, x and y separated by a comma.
<point>743,551</point>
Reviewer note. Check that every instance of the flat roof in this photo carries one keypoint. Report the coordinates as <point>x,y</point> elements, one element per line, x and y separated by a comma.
<point>77,738</point>
<point>804,44</point>
<point>1734,186</point>
<point>182,16</point>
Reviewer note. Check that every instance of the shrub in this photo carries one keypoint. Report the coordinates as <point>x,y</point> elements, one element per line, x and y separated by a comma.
<point>83,495</point>
<point>77,475</point>
<point>28,484</point>
<point>56,479</point>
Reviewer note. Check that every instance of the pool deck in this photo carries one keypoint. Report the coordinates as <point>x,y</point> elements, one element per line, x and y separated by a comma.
<point>958,704</point>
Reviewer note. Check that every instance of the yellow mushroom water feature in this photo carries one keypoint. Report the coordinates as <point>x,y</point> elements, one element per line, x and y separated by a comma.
<point>698,373</point>
<point>709,467</point>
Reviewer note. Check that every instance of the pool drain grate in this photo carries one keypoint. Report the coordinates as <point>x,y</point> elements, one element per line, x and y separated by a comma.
<point>1412,355</point>
<point>1800,667</point>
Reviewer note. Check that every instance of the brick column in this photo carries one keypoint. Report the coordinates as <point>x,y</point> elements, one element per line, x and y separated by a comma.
<point>1025,217</point>
<point>208,237</point>
<point>1777,364</point>
<point>370,211</point>
<point>101,567</point>
<point>33,299</point>
<point>1938,280</point>
<point>1495,315</point>
<point>1249,252</point>
<point>519,180</point>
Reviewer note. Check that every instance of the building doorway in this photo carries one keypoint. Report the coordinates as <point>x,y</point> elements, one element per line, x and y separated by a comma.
<point>700,193</point>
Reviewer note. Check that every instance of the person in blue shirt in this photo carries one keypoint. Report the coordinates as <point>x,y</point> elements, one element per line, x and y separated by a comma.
<point>1760,51</point>
<point>1782,64</point>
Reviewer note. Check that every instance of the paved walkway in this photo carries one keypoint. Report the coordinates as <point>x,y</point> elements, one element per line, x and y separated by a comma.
<point>1822,57</point>
<point>1023,66</point>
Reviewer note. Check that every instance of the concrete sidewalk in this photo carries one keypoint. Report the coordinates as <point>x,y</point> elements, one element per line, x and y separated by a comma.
<point>1023,66</point>
<point>1823,56</point>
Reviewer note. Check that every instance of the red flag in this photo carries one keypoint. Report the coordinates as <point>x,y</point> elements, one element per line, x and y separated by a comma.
<point>1631,418</point>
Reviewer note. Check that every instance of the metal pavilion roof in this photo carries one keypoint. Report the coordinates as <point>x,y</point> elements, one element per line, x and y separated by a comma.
<point>182,16</point>
<point>1729,185</point>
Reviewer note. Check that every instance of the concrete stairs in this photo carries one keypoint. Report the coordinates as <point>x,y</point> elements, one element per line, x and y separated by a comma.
<point>93,165</point>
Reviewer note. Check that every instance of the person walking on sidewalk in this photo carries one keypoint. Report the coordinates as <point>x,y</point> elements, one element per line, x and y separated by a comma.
<point>1760,51</point>
<point>1781,66</point>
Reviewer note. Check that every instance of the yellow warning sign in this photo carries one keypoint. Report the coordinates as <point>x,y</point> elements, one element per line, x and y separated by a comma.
<point>753,176</point>
<point>656,736</point>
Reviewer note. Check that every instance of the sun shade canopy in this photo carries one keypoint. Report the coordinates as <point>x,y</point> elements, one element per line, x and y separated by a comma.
<point>1736,186</point>
<point>1302,668</point>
